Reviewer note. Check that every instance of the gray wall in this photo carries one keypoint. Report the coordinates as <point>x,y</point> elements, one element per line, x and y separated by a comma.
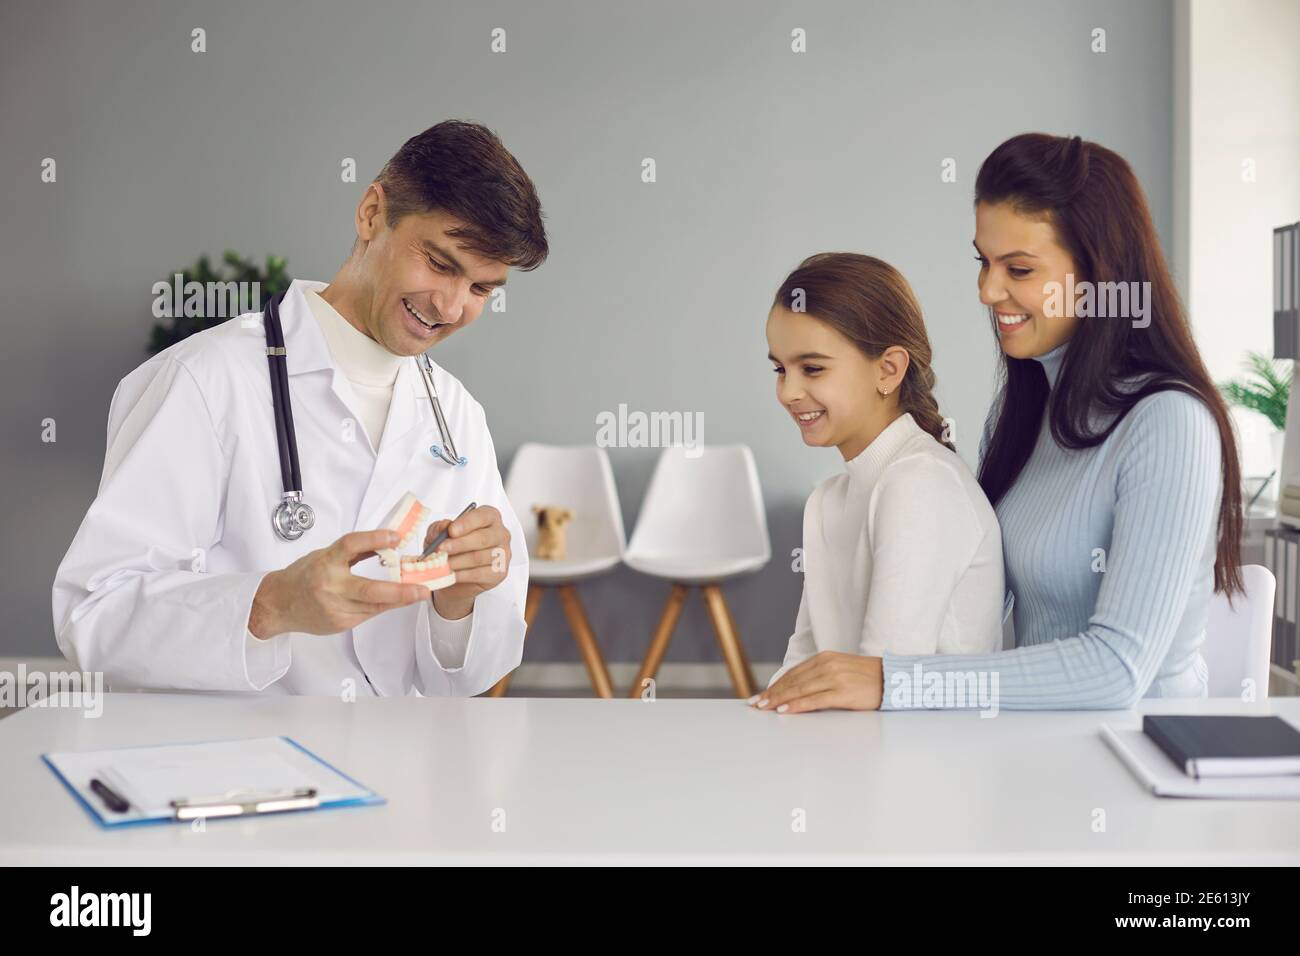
<point>654,295</point>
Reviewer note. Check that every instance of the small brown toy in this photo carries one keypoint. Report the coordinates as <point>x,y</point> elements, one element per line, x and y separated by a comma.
<point>550,531</point>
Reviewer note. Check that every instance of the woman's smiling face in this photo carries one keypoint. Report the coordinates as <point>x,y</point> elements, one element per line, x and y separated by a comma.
<point>1020,256</point>
<point>823,380</point>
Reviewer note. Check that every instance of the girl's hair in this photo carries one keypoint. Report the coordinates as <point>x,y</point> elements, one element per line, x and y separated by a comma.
<point>1092,199</point>
<point>870,303</point>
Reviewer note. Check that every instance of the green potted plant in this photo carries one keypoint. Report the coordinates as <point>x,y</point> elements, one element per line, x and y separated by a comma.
<point>1266,389</point>
<point>271,279</point>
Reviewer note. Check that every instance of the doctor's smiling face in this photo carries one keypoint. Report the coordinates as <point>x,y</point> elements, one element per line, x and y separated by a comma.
<point>411,286</point>
<point>436,232</point>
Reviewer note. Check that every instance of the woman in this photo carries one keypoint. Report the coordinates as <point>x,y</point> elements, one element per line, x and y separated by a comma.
<point>901,550</point>
<point>1108,454</point>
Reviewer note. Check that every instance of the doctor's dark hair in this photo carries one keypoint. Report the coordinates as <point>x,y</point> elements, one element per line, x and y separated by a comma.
<point>463,169</point>
<point>1092,200</point>
<point>870,303</point>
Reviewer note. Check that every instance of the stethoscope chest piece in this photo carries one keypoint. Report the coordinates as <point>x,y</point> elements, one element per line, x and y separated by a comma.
<point>292,517</point>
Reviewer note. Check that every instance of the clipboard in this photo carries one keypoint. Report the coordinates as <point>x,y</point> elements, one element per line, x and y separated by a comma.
<point>178,783</point>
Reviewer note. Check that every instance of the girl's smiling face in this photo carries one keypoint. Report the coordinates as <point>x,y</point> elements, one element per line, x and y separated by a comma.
<point>1019,257</point>
<point>830,388</point>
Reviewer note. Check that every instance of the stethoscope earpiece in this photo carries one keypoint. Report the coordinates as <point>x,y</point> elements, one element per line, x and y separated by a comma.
<point>447,450</point>
<point>437,452</point>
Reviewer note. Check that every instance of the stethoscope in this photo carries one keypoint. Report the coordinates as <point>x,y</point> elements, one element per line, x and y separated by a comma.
<point>293,516</point>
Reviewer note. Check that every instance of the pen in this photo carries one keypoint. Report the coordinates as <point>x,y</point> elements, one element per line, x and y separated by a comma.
<point>442,535</point>
<point>110,798</point>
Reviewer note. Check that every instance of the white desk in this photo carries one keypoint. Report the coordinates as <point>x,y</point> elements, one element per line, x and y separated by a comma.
<point>629,781</point>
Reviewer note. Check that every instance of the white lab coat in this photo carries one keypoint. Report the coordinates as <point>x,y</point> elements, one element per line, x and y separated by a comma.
<point>156,588</point>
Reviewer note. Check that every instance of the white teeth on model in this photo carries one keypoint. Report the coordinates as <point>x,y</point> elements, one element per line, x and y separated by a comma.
<point>1011,319</point>
<point>808,416</point>
<point>418,317</point>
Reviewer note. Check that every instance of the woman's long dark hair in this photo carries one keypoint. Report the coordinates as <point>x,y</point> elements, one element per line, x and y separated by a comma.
<point>1094,202</point>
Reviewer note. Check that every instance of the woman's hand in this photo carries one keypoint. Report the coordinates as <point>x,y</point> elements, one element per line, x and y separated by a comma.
<point>826,681</point>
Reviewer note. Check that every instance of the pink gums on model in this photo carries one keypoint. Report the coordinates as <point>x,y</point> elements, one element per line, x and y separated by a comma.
<point>406,517</point>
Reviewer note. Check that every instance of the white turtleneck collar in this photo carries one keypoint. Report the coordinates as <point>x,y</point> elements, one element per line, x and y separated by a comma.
<point>361,359</point>
<point>867,464</point>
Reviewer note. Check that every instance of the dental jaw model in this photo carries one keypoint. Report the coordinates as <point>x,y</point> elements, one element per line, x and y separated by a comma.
<point>433,572</point>
<point>406,518</point>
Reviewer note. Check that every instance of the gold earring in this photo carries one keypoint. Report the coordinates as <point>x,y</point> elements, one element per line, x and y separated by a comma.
<point>885,390</point>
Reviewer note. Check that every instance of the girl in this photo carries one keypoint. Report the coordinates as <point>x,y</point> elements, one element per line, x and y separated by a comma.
<point>1108,453</point>
<point>902,552</point>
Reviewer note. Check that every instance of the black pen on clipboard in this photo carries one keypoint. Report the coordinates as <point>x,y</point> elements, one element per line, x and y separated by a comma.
<point>442,535</point>
<point>114,802</point>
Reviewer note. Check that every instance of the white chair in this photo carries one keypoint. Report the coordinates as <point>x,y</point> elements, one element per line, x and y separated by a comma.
<point>578,478</point>
<point>702,522</point>
<point>1237,639</point>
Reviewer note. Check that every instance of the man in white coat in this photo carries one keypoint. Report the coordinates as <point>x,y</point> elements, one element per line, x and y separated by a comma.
<point>176,578</point>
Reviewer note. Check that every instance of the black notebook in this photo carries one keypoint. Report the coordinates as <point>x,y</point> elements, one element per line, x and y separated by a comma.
<point>1205,746</point>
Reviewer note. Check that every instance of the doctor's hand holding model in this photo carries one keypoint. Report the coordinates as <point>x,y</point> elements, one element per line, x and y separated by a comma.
<point>231,544</point>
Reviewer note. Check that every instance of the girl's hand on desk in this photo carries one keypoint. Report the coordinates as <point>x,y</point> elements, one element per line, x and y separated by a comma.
<point>828,680</point>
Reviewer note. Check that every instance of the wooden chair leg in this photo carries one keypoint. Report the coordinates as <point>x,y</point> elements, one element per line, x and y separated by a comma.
<point>591,655</point>
<point>742,678</point>
<point>531,604</point>
<point>663,634</point>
